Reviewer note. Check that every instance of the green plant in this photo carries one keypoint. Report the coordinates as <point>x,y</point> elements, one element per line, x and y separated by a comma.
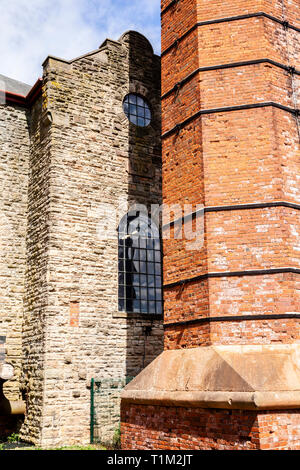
<point>117,438</point>
<point>1,446</point>
<point>13,437</point>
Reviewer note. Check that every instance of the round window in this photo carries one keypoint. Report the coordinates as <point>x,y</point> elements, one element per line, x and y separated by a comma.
<point>137,110</point>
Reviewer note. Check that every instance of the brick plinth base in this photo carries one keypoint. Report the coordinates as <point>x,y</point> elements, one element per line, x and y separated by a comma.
<point>176,428</point>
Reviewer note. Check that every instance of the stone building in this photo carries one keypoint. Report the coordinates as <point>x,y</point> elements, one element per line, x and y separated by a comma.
<point>81,143</point>
<point>229,375</point>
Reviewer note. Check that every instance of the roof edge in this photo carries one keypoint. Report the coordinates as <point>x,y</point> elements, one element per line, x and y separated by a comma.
<point>137,33</point>
<point>22,100</point>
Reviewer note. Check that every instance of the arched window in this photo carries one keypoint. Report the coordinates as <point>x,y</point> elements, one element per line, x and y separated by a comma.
<point>140,265</point>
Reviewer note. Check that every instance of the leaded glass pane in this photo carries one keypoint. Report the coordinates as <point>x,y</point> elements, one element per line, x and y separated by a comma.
<point>140,281</point>
<point>137,110</point>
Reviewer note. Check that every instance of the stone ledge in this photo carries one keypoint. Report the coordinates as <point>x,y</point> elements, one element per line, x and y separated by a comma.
<point>224,400</point>
<point>138,316</point>
<point>230,377</point>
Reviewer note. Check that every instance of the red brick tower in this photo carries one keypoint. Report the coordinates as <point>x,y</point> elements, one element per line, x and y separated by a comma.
<point>229,375</point>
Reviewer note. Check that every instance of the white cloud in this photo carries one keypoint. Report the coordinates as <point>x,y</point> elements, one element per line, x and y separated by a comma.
<point>32,30</point>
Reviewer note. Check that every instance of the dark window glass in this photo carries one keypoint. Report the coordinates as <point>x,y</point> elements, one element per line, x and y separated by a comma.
<point>140,270</point>
<point>137,110</point>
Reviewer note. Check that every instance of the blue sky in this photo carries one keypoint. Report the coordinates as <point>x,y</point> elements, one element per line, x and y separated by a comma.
<point>33,29</point>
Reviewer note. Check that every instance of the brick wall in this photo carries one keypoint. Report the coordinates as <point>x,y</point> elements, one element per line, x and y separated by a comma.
<point>230,138</point>
<point>164,428</point>
<point>224,158</point>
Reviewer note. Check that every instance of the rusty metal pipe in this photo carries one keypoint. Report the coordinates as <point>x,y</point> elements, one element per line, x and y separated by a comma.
<point>8,407</point>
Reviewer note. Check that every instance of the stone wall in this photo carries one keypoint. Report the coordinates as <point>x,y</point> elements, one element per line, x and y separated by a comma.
<point>84,153</point>
<point>14,155</point>
<point>37,273</point>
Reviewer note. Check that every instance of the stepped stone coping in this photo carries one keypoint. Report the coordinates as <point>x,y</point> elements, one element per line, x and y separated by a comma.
<point>232,377</point>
